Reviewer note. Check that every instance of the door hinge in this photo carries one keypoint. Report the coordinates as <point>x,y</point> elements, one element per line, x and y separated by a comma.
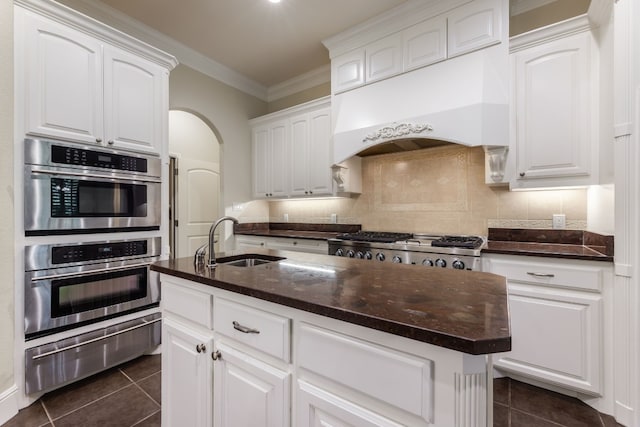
<point>175,223</point>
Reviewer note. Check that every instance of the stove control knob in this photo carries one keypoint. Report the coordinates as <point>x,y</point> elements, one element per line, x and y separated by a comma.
<point>427,262</point>
<point>396,259</point>
<point>351,253</point>
<point>441,263</point>
<point>359,255</point>
<point>458,265</point>
<point>368,255</point>
<point>380,256</point>
<point>340,252</point>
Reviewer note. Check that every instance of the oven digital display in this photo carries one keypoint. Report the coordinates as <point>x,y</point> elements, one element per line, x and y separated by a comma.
<point>81,157</point>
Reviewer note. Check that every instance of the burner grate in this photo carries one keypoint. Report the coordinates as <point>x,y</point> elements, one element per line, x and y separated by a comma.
<point>469,242</point>
<point>375,236</point>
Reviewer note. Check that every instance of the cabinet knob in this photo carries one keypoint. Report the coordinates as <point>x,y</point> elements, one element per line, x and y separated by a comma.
<point>261,243</point>
<point>98,139</point>
<point>306,192</point>
<point>521,173</point>
<point>216,355</point>
<point>310,192</point>
<point>201,348</point>
<point>110,142</point>
<point>295,243</point>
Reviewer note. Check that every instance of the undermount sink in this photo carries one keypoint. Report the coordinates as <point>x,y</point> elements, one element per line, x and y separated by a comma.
<point>248,260</point>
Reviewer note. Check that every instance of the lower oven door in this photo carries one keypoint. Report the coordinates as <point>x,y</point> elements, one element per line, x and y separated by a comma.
<point>61,299</point>
<point>55,364</point>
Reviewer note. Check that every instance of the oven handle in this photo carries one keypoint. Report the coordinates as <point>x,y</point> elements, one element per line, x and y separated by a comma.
<point>88,272</point>
<point>113,334</point>
<point>41,171</point>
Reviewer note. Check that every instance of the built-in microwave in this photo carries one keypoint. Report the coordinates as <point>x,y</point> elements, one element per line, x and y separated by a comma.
<point>73,188</point>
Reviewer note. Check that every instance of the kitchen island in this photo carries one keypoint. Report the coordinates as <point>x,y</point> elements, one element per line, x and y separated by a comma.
<point>309,340</point>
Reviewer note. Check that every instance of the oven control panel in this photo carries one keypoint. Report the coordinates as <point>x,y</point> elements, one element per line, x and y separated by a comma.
<point>92,252</point>
<point>97,159</point>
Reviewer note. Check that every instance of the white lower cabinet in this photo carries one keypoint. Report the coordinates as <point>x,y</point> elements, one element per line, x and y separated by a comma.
<point>187,375</point>
<point>249,392</point>
<point>557,316</point>
<point>245,242</point>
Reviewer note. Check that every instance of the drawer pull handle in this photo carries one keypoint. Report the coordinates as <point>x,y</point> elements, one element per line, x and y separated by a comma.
<point>216,355</point>
<point>201,348</point>
<point>531,273</point>
<point>244,329</point>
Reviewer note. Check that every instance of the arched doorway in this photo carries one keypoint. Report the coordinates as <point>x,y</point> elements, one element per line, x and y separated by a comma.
<point>194,201</point>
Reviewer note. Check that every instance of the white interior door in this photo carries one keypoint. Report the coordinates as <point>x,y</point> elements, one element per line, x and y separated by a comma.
<point>198,200</point>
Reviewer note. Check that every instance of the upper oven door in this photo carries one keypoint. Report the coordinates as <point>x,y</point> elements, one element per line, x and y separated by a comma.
<point>65,201</point>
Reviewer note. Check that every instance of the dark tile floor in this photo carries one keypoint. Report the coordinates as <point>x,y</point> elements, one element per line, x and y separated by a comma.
<point>129,395</point>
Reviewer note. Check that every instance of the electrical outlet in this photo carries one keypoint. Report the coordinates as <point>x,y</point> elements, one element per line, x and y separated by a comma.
<point>334,218</point>
<point>286,217</point>
<point>559,221</point>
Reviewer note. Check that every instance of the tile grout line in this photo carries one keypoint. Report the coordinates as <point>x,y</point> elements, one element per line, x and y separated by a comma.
<point>539,418</point>
<point>145,418</point>
<point>46,413</point>
<point>147,394</point>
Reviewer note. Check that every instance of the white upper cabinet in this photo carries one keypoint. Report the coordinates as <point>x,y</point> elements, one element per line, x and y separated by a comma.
<point>473,27</point>
<point>384,58</point>
<point>292,152</point>
<point>419,37</point>
<point>133,89</point>
<point>556,113</point>
<point>347,71</point>
<point>63,81</point>
<point>269,151</point>
<point>425,43</point>
<point>76,86</point>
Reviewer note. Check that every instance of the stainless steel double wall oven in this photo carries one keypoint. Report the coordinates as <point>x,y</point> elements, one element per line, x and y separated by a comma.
<point>80,193</point>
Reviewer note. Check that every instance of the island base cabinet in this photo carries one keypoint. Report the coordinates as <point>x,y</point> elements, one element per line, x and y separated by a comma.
<point>187,376</point>
<point>319,408</point>
<point>249,392</point>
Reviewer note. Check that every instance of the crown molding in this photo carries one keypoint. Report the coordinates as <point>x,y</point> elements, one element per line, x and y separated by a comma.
<point>518,7</point>
<point>299,83</point>
<point>183,53</point>
<point>551,32</point>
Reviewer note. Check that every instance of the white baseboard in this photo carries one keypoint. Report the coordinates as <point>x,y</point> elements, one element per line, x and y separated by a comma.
<point>8,404</point>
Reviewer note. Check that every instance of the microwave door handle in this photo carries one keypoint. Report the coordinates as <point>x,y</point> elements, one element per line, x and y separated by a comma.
<point>89,272</point>
<point>113,334</point>
<point>42,171</point>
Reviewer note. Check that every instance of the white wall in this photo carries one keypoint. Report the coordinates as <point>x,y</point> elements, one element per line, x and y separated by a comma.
<point>7,248</point>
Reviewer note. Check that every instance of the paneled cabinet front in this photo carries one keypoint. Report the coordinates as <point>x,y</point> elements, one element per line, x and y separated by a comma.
<point>79,88</point>
<point>292,152</point>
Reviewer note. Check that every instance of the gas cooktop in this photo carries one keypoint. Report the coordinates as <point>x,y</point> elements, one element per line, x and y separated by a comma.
<point>447,241</point>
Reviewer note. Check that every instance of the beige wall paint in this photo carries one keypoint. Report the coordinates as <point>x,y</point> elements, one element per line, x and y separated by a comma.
<point>438,190</point>
<point>228,110</point>
<point>300,97</point>
<point>7,248</point>
<point>548,14</point>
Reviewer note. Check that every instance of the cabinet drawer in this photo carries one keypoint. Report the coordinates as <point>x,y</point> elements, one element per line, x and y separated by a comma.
<point>259,329</point>
<point>363,366</point>
<point>566,275</point>
<point>188,303</point>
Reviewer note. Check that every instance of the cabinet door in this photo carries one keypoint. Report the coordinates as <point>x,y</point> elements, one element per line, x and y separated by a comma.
<point>299,155</point>
<point>347,71</point>
<point>425,43</point>
<point>384,58</point>
<point>244,243</point>
<point>63,81</point>
<point>261,158</point>
<point>133,90</point>
<point>552,101</point>
<point>278,161</point>
<point>556,336</point>
<point>474,26</point>
<point>319,408</point>
<point>187,379</point>
<point>248,392</point>
<point>319,153</point>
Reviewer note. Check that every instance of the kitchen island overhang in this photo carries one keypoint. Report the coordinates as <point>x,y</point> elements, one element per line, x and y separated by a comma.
<point>464,311</point>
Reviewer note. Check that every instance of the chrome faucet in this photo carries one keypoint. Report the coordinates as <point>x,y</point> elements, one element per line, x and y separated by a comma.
<point>212,230</point>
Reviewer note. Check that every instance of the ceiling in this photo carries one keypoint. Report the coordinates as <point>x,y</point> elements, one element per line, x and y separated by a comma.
<point>268,43</point>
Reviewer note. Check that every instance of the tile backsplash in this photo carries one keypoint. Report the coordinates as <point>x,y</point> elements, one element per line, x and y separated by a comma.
<point>438,190</point>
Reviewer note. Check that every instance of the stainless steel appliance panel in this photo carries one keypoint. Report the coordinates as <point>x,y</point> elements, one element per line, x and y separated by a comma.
<point>84,190</point>
<point>52,365</point>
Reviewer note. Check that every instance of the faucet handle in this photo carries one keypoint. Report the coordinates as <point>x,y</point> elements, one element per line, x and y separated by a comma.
<point>200,255</point>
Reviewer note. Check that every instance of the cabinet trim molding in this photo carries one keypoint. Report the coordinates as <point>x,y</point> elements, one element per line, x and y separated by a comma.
<point>578,24</point>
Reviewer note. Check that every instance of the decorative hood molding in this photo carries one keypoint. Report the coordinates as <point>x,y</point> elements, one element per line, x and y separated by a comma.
<point>463,100</point>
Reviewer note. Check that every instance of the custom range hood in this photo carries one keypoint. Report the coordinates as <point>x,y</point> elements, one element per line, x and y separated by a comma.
<point>461,99</point>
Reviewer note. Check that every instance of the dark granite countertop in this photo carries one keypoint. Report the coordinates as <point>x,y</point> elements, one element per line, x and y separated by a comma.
<point>294,230</point>
<point>461,310</point>
<point>569,244</point>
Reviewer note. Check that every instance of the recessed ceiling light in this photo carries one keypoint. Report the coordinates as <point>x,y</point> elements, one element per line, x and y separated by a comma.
<point>274,1</point>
